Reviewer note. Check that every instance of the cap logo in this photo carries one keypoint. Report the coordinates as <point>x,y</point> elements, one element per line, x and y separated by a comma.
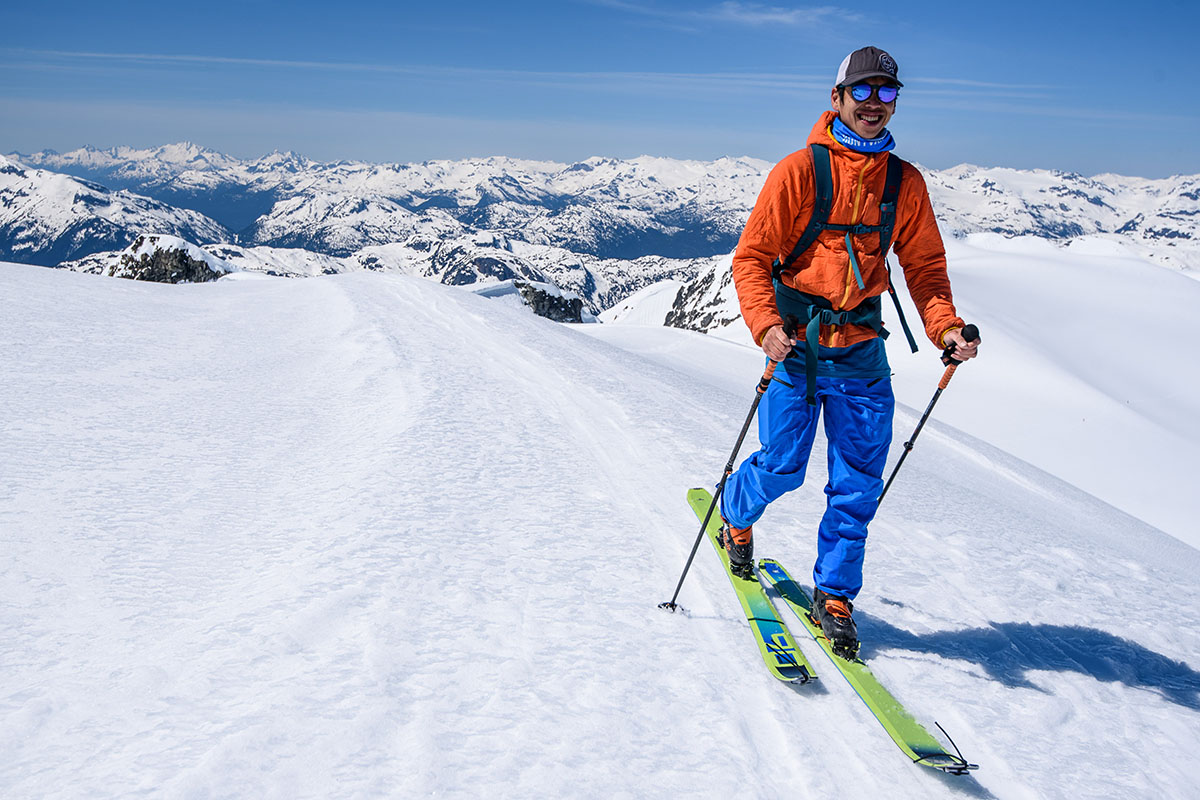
<point>887,64</point>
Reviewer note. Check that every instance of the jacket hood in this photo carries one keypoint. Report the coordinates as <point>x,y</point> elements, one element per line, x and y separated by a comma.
<point>821,132</point>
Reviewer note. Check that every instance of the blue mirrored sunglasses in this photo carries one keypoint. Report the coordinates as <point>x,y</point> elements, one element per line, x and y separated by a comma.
<point>862,91</point>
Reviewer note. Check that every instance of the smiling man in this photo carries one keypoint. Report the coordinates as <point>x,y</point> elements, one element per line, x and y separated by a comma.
<point>810,270</point>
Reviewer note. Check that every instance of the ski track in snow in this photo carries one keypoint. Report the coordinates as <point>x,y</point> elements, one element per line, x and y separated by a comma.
<point>369,536</point>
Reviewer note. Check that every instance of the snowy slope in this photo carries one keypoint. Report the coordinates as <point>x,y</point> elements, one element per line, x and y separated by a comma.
<point>369,536</point>
<point>1088,364</point>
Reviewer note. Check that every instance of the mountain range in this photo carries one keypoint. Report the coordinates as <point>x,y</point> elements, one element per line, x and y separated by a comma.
<point>602,228</point>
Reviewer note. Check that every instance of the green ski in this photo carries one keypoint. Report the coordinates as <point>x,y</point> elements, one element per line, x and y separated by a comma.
<point>775,641</point>
<point>916,742</point>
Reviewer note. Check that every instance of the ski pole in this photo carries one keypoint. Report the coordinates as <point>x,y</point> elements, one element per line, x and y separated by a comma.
<point>970,333</point>
<point>789,328</point>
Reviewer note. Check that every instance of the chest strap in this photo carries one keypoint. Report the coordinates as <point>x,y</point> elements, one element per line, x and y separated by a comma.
<point>818,222</point>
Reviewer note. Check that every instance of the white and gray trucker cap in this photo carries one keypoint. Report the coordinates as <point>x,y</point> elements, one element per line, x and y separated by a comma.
<point>867,62</point>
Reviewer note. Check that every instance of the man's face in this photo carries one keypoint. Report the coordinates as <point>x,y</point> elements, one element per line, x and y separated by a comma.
<point>868,118</point>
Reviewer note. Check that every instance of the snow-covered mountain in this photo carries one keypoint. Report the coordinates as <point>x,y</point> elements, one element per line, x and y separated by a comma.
<point>1158,219</point>
<point>232,190</point>
<point>48,217</point>
<point>365,535</point>
<point>608,208</point>
<point>603,207</point>
<point>601,228</point>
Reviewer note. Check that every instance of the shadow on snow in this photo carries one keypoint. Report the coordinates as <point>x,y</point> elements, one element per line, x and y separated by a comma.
<point>1008,650</point>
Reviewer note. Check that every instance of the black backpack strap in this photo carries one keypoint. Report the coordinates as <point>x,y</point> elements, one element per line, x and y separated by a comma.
<point>887,223</point>
<point>822,203</point>
<point>887,205</point>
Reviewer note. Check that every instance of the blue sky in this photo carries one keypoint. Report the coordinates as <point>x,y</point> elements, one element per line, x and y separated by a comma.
<point>1085,87</point>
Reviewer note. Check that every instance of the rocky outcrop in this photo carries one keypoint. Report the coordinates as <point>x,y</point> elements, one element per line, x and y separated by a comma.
<point>167,259</point>
<point>554,305</point>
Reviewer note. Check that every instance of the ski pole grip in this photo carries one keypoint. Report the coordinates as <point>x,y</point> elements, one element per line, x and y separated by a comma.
<point>947,375</point>
<point>789,329</point>
<point>791,324</point>
<point>970,333</point>
<point>765,381</point>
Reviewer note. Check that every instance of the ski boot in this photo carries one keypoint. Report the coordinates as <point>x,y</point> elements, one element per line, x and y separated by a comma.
<point>833,614</point>
<point>739,544</point>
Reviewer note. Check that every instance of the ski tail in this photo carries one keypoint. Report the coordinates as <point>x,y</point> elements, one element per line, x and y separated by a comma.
<point>908,734</point>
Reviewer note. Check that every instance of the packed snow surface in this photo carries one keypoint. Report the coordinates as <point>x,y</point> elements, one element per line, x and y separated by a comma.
<point>366,535</point>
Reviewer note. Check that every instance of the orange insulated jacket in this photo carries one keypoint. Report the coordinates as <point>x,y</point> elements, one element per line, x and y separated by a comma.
<point>782,212</point>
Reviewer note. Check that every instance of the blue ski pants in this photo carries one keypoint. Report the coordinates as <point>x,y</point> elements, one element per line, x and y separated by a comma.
<point>858,427</point>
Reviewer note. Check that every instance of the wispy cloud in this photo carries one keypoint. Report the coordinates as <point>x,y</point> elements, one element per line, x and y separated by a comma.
<point>732,12</point>
<point>166,58</point>
<point>969,84</point>
<point>615,80</point>
<point>626,82</point>
<point>758,14</point>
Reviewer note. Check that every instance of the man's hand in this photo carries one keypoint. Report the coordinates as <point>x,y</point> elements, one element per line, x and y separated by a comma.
<point>963,349</point>
<point>777,344</point>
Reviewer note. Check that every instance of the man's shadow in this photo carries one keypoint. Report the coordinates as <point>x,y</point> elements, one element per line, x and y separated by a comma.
<point>1008,650</point>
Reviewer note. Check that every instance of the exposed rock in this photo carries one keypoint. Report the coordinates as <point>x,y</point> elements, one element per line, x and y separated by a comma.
<point>544,299</point>
<point>556,306</point>
<point>166,259</point>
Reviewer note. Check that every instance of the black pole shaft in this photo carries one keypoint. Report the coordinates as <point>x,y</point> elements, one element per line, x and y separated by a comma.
<point>908,446</point>
<point>970,333</point>
<point>763,383</point>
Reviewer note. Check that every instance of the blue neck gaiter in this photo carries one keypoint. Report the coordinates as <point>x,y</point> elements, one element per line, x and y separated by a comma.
<point>842,132</point>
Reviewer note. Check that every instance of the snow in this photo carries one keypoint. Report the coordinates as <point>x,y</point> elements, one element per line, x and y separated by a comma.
<point>365,535</point>
<point>648,306</point>
<point>283,261</point>
<point>1089,372</point>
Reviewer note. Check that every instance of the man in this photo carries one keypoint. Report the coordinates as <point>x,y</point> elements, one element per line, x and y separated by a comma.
<point>825,277</point>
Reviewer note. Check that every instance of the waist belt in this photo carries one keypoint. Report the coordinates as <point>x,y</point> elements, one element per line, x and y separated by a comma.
<point>813,311</point>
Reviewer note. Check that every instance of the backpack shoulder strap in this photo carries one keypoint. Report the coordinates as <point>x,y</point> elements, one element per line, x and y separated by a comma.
<point>823,201</point>
<point>887,223</point>
<point>887,205</point>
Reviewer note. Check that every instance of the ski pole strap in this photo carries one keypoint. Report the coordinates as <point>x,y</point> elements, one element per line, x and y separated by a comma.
<point>814,311</point>
<point>912,343</point>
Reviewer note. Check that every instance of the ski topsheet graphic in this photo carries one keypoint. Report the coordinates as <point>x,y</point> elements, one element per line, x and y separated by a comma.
<point>783,658</point>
